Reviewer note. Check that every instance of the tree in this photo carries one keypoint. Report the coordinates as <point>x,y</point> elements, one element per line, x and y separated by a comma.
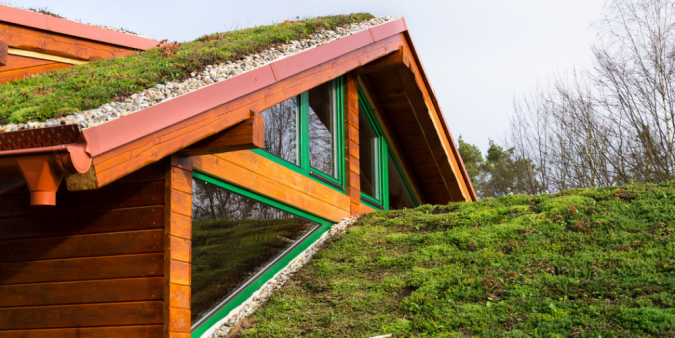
<point>473,162</point>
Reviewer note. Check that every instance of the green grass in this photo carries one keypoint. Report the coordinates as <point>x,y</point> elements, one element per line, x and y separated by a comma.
<point>587,263</point>
<point>89,86</point>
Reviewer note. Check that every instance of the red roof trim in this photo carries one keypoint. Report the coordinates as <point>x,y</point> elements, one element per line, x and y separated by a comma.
<point>72,28</point>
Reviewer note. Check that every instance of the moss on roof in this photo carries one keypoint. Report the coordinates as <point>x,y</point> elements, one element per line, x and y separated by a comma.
<point>89,86</point>
<point>590,263</point>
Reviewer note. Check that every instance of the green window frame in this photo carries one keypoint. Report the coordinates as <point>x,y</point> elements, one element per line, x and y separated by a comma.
<point>304,167</point>
<point>384,151</point>
<point>201,327</point>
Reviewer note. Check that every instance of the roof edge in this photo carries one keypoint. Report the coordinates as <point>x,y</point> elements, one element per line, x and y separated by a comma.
<point>72,28</point>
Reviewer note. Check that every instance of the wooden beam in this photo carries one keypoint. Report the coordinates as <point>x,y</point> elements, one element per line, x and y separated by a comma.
<point>3,54</point>
<point>177,246</point>
<point>396,60</point>
<point>43,56</point>
<point>432,135</point>
<point>249,134</point>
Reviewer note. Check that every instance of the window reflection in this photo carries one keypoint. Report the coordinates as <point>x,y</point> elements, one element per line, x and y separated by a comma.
<point>322,129</point>
<point>281,130</point>
<point>399,196</point>
<point>233,238</point>
<point>367,156</point>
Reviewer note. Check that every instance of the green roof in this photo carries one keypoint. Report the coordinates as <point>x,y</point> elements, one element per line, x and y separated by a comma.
<point>89,86</point>
<point>594,262</point>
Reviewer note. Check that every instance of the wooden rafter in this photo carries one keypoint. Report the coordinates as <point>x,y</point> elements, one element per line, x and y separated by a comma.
<point>3,54</point>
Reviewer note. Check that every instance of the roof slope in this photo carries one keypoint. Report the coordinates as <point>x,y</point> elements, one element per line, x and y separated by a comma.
<point>589,263</point>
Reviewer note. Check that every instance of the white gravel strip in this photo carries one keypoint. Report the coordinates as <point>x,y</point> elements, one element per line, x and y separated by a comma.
<point>212,74</point>
<point>257,299</point>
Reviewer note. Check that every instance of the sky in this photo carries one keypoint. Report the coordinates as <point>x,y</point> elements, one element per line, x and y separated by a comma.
<point>479,55</point>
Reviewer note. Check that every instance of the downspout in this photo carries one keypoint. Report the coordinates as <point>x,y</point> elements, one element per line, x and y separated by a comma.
<point>44,168</point>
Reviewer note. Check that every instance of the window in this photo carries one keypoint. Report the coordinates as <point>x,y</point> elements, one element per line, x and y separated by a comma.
<point>281,130</point>
<point>239,239</point>
<point>305,134</point>
<point>382,184</point>
<point>322,127</point>
<point>399,192</point>
<point>368,141</point>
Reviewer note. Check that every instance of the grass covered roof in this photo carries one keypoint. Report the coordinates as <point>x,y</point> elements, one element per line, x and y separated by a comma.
<point>590,263</point>
<point>89,86</point>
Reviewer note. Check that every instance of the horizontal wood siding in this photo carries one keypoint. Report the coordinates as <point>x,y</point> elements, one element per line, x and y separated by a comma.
<point>256,173</point>
<point>92,266</point>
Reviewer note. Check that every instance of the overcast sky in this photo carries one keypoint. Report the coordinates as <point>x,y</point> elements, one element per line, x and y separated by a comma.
<point>477,54</point>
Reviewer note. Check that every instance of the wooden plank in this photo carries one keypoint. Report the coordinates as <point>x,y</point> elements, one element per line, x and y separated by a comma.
<point>81,315</point>
<point>177,320</point>
<point>179,249</point>
<point>112,197</point>
<point>50,43</point>
<point>74,269</point>
<point>179,226</point>
<point>43,56</point>
<point>128,158</point>
<point>18,62</point>
<point>249,134</point>
<point>269,178</point>
<point>126,219</point>
<point>178,296</point>
<point>22,73</point>
<point>178,272</point>
<point>117,243</point>
<point>97,291</point>
<point>149,331</point>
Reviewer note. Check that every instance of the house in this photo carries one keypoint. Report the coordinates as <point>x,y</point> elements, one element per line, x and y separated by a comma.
<point>160,222</point>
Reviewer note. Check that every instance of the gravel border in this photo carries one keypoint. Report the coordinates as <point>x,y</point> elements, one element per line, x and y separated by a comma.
<point>258,298</point>
<point>211,74</point>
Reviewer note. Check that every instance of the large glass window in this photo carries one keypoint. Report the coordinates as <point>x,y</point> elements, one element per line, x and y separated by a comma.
<point>399,195</point>
<point>234,240</point>
<point>368,156</point>
<point>322,116</point>
<point>306,134</point>
<point>281,130</point>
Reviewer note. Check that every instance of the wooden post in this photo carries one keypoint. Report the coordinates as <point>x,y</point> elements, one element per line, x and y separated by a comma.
<point>177,247</point>
<point>352,142</point>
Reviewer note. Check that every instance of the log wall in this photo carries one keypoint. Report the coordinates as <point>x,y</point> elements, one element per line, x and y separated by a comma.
<point>92,266</point>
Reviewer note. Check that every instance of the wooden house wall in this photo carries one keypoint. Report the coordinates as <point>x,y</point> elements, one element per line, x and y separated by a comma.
<point>49,44</point>
<point>92,266</point>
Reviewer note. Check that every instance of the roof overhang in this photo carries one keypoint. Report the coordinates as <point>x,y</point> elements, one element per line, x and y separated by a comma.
<point>122,146</point>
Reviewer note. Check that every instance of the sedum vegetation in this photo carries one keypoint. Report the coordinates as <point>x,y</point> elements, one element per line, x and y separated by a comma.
<point>597,262</point>
<point>89,86</point>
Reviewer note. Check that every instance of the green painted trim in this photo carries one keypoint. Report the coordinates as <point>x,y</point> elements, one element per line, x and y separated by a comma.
<point>256,285</point>
<point>303,141</point>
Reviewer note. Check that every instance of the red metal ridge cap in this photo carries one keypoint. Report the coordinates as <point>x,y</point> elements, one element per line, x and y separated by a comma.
<point>108,136</point>
<point>453,145</point>
<point>72,28</point>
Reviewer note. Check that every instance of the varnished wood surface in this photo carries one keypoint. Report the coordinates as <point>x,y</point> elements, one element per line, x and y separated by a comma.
<point>93,265</point>
<point>178,248</point>
<point>249,134</point>
<point>353,166</point>
<point>96,291</point>
<point>18,74</point>
<point>271,179</point>
<point>145,331</point>
<point>58,316</point>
